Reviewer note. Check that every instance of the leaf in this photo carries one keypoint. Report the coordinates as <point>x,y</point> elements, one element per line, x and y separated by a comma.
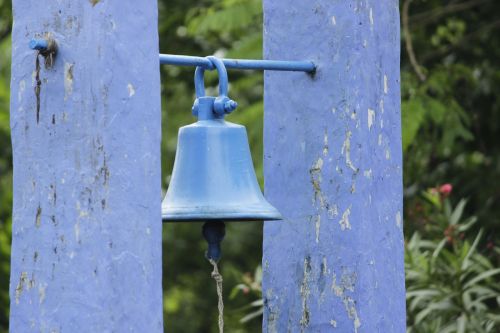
<point>252,315</point>
<point>462,323</point>
<point>412,116</point>
<point>457,213</point>
<point>482,276</point>
<point>465,263</point>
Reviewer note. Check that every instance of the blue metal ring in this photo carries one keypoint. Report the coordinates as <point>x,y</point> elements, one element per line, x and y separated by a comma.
<point>199,78</point>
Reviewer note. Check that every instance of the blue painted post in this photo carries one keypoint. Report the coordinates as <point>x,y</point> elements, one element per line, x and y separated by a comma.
<point>332,165</point>
<point>86,251</point>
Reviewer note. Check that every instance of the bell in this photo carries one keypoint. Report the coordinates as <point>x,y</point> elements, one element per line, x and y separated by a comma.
<point>213,176</point>
<point>213,179</point>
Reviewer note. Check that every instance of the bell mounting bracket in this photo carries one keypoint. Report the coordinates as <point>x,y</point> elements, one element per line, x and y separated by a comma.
<point>222,103</point>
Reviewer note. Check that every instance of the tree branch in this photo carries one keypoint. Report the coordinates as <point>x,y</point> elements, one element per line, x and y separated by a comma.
<point>408,41</point>
<point>432,15</point>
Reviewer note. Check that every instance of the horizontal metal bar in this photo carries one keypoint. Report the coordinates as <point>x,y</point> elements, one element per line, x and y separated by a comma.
<point>42,44</point>
<point>273,65</point>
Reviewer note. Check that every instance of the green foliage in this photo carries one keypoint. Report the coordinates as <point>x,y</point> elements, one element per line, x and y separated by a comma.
<point>250,286</point>
<point>452,283</point>
<point>432,108</point>
<point>5,164</point>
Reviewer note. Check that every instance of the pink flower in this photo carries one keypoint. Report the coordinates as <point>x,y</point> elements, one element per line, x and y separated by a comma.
<point>445,189</point>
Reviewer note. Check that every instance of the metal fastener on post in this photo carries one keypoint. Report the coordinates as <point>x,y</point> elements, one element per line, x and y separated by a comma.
<point>39,44</point>
<point>47,47</point>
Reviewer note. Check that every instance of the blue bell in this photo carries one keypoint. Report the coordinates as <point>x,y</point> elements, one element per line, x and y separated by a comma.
<point>213,176</point>
<point>213,179</point>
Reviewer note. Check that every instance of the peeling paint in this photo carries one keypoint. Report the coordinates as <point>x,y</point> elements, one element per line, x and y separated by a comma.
<point>77,231</point>
<point>346,150</point>
<point>22,87</point>
<point>371,16</point>
<point>318,227</point>
<point>20,285</point>
<point>325,143</point>
<point>371,118</point>
<point>368,173</point>
<point>386,85</point>
<point>347,283</point>
<point>41,292</point>
<point>318,165</point>
<point>344,221</point>
<point>273,312</point>
<point>398,219</point>
<point>94,2</point>
<point>68,80</point>
<point>131,90</point>
<point>315,173</point>
<point>332,211</point>
<point>305,292</point>
<point>334,20</point>
<point>38,218</point>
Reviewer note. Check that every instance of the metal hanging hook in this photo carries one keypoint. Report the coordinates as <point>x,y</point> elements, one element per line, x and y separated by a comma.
<point>222,104</point>
<point>199,83</point>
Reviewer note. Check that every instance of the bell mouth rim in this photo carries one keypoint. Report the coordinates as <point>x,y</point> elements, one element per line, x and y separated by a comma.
<point>220,216</point>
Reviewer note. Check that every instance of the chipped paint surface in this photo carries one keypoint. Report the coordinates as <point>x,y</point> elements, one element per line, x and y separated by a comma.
<point>398,219</point>
<point>68,80</point>
<point>78,201</point>
<point>371,118</point>
<point>332,162</point>
<point>344,221</point>
<point>305,292</point>
<point>343,290</point>
<point>346,151</point>
<point>131,90</point>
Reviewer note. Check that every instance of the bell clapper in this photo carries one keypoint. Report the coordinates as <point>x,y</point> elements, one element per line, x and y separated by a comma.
<point>214,232</point>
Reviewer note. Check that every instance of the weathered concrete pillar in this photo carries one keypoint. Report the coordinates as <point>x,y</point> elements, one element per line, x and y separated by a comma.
<point>332,165</point>
<point>86,251</point>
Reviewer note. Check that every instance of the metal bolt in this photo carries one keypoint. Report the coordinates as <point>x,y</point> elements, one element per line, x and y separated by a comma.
<point>39,44</point>
<point>230,106</point>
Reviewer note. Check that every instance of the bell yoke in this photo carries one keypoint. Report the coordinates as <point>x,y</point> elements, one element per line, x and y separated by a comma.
<point>213,179</point>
